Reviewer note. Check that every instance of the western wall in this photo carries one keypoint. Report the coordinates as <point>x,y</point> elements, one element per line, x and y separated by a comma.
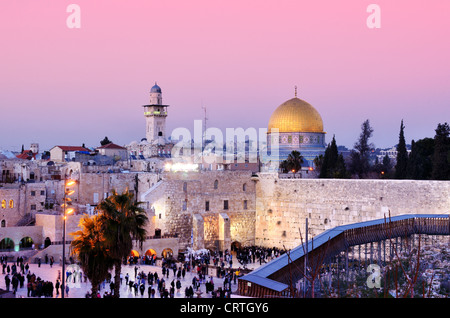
<point>282,205</point>
<point>193,203</point>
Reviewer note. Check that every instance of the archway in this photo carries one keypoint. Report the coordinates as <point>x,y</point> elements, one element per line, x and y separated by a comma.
<point>235,247</point>
<point>47,242</point>
<point>26,243</point>
<point>150,256</point>
<point>6,244</point>
<point>134,253</point>
<point>150,252</point>
<point>167,252</point>
<point>134,257</point>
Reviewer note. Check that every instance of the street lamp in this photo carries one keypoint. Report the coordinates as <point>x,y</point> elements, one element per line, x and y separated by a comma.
<point>67,210</point>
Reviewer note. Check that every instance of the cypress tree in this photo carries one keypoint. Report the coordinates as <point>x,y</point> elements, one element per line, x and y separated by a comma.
<point>420,160</point>
<point>360,157</point>
<point>402,155</point>
<point>333,165</point>
<point>441,160</point>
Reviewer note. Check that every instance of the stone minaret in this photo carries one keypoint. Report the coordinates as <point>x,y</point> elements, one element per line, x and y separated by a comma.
<point>155,117</point>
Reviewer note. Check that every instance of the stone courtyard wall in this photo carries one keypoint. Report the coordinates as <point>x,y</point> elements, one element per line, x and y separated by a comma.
<point>282,205</point>
<point>179,203</point>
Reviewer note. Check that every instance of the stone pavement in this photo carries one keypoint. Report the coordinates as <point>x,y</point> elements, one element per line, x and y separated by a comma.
<point>79,290</point>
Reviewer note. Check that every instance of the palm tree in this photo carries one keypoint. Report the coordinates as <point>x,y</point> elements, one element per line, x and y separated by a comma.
<point>292,163</point>
<point>123,221</point>
<point>89,248</point>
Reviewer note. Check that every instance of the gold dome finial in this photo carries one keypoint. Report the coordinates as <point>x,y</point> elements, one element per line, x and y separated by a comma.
<point>295,90</point>
<point>296,115</point>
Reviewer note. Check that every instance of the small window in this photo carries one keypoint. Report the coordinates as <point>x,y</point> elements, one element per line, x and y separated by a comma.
<point>225,204</point>
<point>216,184</point>
<point>33,207</point>
<point>3,223</point>
<point>42,192</point>
<point>3,204</point>
<point>207,206</point>
<point>244,187</point>
<point>184,205</point>
<point>11,204</point>
<point>33,193</point>
<point>185,187</point>
<point>245,204</point>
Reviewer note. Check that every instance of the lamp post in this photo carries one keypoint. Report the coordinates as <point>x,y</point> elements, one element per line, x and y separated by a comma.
<point>67,193</point>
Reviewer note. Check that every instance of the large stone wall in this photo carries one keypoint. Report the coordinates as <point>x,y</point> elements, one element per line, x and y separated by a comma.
<point>179,203</point>
<point>94,187</point>
<point>20,200</point>
<point>282,205</point>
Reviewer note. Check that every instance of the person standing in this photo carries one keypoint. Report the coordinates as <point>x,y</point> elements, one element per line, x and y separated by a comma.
<point>57,287</point>
<point>7,281</point>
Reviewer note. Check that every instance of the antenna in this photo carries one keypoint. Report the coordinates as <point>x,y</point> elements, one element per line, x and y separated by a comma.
<point>204,123</point>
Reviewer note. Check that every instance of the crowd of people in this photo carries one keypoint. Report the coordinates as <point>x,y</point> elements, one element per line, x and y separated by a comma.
<point>257,254</point>
<point>15,274</point>
<point>204,266</point>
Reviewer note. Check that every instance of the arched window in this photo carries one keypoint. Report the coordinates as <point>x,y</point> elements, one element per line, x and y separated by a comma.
<point>6,244</point>
<point>244,187</point>
<point>11,204</point>
<point>216,184</point>
<point>3,204</point>
<point>3,223</point>
<point>26,242</point>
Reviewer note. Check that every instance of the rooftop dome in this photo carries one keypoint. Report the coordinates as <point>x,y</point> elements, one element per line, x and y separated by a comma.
<point>155,89</point>
<point>296,115</point>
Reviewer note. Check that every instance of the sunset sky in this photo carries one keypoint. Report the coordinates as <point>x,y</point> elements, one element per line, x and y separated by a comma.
<point>239,59</point>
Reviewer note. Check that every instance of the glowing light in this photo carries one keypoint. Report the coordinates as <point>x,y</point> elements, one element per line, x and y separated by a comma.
<point>70,183</point>
<point>69,211</point>
<point>181,167</point>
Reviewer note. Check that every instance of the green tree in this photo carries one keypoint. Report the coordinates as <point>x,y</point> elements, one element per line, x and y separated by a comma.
<point>441,160</point>
<point>402,156</point>
<point>318,162</point>
<point>293,162</point>
<point>420,163</point>
<point>333,165</point>
<point>123,220</point>
<point>89,248</point>
<point>105,141</point>
<point>360,156</point>
<point>386,167</point>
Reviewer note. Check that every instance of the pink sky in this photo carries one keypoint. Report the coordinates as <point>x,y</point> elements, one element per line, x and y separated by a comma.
<point>240,59</point>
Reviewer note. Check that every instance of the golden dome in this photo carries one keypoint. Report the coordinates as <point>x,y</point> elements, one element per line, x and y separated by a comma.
<point>296,115</point>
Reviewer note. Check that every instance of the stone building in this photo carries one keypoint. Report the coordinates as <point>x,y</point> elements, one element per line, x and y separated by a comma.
<point>206,209</point>
<point>298,126</point>
<point>65,153</point>
<point>211,206</point>
<point>155,143</point>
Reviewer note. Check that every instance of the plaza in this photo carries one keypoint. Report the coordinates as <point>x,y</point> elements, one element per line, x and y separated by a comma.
<point>79,289</point>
